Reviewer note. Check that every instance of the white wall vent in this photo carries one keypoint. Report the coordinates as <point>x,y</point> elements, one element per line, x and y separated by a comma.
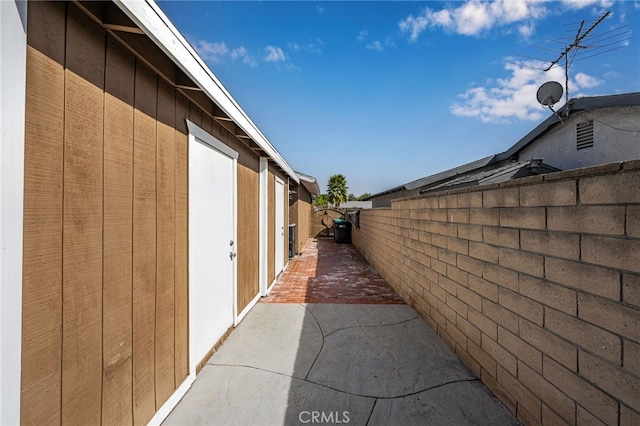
<point>584,134</point>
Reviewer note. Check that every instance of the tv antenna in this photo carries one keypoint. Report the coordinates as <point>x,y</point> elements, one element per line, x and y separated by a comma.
<point>571,50</point>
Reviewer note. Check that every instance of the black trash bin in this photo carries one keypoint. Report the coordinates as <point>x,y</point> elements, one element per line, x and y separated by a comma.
<point>342,231</point>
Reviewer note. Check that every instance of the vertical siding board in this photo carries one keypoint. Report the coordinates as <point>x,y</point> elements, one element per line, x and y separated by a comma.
<point>248,239</point>
<point>207,124</point>
<point>181,289</point>
<point>82,223</point>
<point>195,114</point>
<point>118,210</point>
<point>271,219</point>
<point>42,250</point>
<point>165,316</point>
<point>144,245</point>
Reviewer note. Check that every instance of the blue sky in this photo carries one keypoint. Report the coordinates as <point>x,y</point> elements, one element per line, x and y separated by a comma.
<point>386,92</point>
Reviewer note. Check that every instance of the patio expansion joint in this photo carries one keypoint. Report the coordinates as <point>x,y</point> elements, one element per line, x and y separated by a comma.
<point>372,326</point>
<point>321,345</point>
<point>372,410</point>
<point>440,385</point>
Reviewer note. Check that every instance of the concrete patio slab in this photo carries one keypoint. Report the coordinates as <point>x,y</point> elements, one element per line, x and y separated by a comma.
<point>335,317</point>
<point>278,338</point>
<point>387,361</point>
<point>461,403</point>
<point>248,396</point>
<point>375,364</point>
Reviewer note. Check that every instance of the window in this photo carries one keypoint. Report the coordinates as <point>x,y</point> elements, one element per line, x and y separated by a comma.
<point>584,135</point>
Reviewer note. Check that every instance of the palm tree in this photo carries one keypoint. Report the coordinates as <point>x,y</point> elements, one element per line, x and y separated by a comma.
<point>337,189</point>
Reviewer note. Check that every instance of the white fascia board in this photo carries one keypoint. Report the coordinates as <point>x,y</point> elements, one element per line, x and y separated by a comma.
<point>157,26</point>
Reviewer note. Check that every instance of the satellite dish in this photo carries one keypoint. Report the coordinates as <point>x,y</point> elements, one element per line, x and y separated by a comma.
<point>549,93</point>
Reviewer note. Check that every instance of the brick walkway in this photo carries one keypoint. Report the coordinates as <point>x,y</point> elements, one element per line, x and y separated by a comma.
<point>327,272</point>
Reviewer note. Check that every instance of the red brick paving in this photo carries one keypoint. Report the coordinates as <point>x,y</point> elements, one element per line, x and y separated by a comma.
<point>327,272</point>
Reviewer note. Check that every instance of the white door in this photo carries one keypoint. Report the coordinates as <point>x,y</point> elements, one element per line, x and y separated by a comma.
<point>212,236</point>
<point>279,212</point>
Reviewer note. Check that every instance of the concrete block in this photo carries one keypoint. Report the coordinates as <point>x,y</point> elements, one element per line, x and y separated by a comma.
<point>548,393</point>
<point>600,404</point>
<point>550,344</point>
<point>522,261</point>
<point>549,294</point>
<point>581,276</point>
<point>612,379</point>
<point>521,305</point>
<point>559,193</point>
<point>631,289</point>
<point>504,358</point>
<point>584,335</point>
<point>523,217</point>
<point>556,244</point>
<point>501,276</point>
<point>615,317</point>
<point>503,197</point>
<point>604,220</point>
<point>483,323</point>
<point>484,216</point>
<point>504,237</point>
<point>521,349</point>
<point>616,188</point>
<point>614,252</point>
<point>500,315</point>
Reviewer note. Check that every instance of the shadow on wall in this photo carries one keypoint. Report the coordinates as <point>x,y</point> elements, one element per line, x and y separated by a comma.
<point>321,222</point>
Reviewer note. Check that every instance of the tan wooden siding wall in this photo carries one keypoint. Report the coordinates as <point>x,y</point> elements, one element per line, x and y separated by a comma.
<point>299,213</point>
<point>304,213</point>
<point>248,236</point>
<point>271,219</point>
<point>271,233</point>
<point>248,205</point>
<point>105,283</point>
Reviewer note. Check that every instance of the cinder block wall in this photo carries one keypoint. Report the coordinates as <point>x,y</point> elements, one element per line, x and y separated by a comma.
<point>534,283</point>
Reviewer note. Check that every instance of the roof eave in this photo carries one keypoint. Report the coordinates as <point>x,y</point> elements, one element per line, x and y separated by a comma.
<point>576,105</point>
<point>157,26</point>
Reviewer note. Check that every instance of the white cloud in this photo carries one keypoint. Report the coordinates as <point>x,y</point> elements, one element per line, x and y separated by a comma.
<point>243,54</point>
<point>274,54</point>
<point>314,46</point>
<point>585,81</point>
<point>375,45</point>
<point>362,35</point>
<point>211,52</point>
<point>610,75</point>
<point>320,10</point>
<point>514,97</point>
<point>527,30</point>
<point>389,42</point>
<point>505,99</point>
<point>475,17</point>
<point>581,4</point>
<point>414,25</point>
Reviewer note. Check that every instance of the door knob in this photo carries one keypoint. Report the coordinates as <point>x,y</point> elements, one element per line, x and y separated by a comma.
<point>232,255</point>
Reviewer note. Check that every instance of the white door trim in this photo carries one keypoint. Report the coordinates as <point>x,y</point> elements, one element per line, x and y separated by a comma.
<point>279,218</point>
<point>198,135</point>
<point>13,36</point>
<point>264,225</point>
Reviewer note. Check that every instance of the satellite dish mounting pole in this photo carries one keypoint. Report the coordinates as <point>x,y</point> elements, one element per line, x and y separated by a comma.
<point>566,85</point>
